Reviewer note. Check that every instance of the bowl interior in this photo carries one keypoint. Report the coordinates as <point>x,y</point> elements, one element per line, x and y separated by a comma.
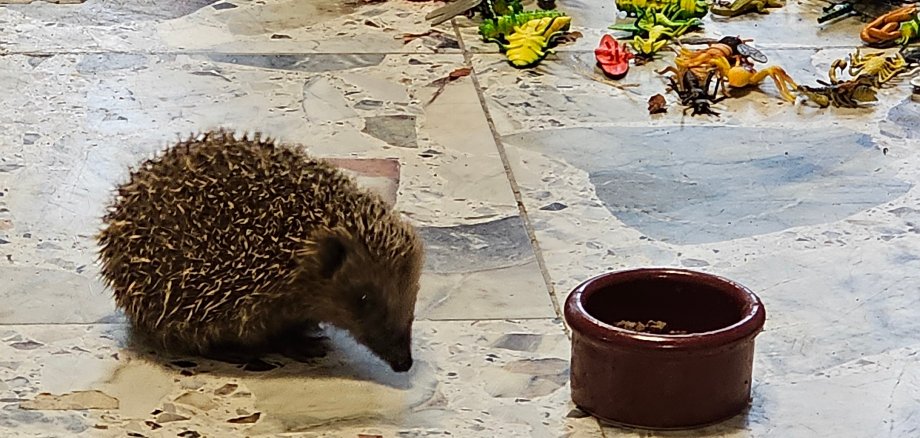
<point>685,304</point>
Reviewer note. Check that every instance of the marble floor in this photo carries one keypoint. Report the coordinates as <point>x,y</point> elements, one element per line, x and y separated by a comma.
<point>523,183</point>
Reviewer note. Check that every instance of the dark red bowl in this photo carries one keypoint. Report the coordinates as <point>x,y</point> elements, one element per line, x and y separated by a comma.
<point>663,381</point>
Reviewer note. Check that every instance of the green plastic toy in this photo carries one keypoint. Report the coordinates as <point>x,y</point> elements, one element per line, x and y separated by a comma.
<point>499,27</point>
<point>531,42</point>
<point>655,26</point>
<point>668,16</point>
<point>688,8</point>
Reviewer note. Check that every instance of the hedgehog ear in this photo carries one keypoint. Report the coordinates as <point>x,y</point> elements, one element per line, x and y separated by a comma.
<point>331,253</point>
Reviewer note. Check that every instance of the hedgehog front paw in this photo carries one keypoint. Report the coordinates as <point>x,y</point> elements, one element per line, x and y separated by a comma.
<point>230,353</point>
<point>305,349</point>
<point>302,343</point>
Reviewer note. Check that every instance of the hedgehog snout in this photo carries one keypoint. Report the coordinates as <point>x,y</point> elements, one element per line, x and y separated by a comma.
<point>398,354</point>
<point>402,365</point>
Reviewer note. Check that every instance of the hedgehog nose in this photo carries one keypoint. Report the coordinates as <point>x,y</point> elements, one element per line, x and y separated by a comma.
<point>402,365</point>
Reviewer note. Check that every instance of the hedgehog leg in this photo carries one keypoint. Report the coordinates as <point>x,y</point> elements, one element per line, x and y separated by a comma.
<point>232,352</point>
<point>302,342</point>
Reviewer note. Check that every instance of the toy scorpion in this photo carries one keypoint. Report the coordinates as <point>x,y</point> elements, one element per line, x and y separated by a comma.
<point>847,94</point>
<point>875,66</point>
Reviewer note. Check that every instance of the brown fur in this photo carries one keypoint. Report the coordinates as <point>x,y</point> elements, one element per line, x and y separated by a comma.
<point>239,243</point>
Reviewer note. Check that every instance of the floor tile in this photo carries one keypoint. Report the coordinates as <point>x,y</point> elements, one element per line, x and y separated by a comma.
<point>482,271</point>
<point>813,209</point>
<point>234,26</point>
<point>472,378</point>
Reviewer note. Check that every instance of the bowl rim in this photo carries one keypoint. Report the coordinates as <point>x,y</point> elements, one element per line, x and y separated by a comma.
<point>749,325</point>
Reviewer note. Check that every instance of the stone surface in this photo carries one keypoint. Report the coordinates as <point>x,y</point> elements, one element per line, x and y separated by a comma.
<point>814,209</point>
<point>700,184</point>
<point>72,401</point>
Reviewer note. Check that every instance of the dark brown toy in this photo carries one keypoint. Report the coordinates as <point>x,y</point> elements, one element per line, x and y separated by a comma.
<point>237,247</point>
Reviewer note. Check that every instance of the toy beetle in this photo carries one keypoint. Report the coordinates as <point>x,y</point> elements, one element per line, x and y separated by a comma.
<point>612,58</point>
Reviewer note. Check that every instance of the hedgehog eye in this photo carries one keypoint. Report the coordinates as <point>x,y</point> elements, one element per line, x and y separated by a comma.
<point>363,300</point>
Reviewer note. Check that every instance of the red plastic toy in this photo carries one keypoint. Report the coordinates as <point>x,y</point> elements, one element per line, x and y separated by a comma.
<point>613,59</point>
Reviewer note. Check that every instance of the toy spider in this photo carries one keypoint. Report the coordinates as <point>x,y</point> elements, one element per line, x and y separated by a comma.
<point>696,96</point>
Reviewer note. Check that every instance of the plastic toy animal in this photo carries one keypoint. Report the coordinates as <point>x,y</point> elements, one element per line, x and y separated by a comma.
<point>911,55</point>
<point>730,46</point>
<point>531,42</point>
<point>668,16</point>
<point>846,94</point>
<point>910,30</point>
<point>658,36</point>
<point>499,27</point>
<point>869,9</point>
<point>612,58</point>
<point>898,26</point>
<point>741,49</point>
<point>876,66</point>
<point>488,9</point>
<point>687,8</point>
<point>731,58</point>
<point>734,8</point>
<point>695,95</point>
<point>653,28</point>
<point>742,76</point>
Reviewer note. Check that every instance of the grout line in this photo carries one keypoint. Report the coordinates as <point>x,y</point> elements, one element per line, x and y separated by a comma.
<point>528,225</point>
<point>522,210</point>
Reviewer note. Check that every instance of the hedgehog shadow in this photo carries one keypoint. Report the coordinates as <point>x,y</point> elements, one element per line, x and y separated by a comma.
<point>346,359</point>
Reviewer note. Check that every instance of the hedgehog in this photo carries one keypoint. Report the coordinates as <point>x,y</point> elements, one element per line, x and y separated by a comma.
<point>234,247</point>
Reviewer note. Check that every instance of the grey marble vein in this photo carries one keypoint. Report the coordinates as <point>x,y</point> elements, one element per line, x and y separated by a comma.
<point>476,247</point>
<point>698,184</point>
<point>301,62</point>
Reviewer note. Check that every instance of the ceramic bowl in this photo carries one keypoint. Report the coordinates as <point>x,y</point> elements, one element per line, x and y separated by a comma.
<point>694,371</point>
